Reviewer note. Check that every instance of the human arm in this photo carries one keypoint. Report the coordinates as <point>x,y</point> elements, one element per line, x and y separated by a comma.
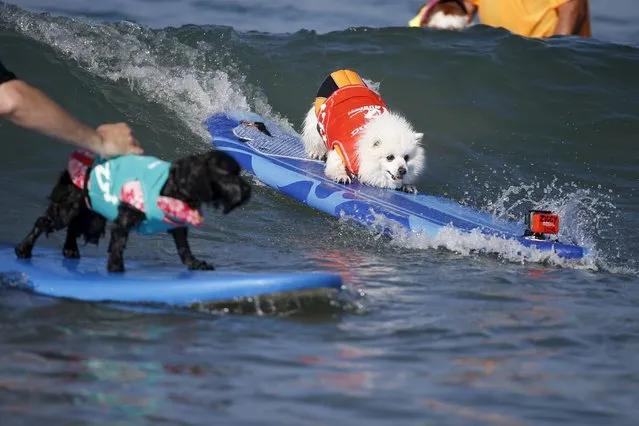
<point>571,17</point>
<point>28,107</point>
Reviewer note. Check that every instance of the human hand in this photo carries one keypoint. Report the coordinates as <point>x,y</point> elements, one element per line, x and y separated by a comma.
<point>117,139</point>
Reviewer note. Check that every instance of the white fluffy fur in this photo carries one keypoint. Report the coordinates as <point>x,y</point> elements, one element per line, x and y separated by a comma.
<point>443,21</point>
<point>313,143</point>
<point>387,145</point>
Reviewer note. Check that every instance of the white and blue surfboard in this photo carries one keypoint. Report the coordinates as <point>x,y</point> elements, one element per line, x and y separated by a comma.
<point>278,160</point>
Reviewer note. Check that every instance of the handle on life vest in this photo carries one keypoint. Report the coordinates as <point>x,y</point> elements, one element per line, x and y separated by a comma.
<point>346,78</point>
<point>340,78</point>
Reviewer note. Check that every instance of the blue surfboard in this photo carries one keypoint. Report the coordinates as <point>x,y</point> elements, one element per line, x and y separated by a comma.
<point>86,279</point>
<point>278,160</point>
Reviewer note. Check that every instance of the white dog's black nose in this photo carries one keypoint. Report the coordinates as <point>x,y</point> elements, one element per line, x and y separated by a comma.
<point>401,171</point>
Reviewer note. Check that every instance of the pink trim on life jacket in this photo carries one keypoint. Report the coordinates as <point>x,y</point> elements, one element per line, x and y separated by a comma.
<point>173,208</point>
<point>180,210</point>
<point>131,193</point>
<point>79,162</point>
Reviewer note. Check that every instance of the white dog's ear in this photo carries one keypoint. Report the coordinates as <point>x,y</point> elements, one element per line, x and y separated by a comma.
<point>418,137</point>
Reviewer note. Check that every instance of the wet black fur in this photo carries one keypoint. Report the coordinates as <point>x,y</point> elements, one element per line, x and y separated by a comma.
<point>210,178</point>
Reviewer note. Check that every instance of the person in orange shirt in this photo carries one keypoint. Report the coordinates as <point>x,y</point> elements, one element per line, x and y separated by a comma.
<point>529,18</point>
<point>534,18</point>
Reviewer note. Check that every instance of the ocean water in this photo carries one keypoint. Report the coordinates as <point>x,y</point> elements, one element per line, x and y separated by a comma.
<point>433,330</point>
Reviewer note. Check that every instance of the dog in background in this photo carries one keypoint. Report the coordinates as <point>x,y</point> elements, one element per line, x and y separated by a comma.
<point>350,127</point>
<point>442,15</point>
<point>139,193</point>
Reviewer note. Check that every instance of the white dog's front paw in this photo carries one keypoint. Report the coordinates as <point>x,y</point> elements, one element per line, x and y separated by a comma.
<point>345,179</point>
<point>411,189</point>
<point>317,155</point>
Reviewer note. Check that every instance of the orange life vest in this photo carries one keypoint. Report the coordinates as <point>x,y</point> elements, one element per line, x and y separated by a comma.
<point>343,115</point>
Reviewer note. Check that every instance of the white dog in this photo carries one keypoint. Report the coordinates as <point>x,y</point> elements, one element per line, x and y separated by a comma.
<point>351,127</point>
<point>442,15</point>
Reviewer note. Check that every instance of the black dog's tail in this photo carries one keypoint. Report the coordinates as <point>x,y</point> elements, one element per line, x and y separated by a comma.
<point>89,225</point>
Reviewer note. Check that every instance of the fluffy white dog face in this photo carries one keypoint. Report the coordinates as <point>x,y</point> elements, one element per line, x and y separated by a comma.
<point>390,155</point>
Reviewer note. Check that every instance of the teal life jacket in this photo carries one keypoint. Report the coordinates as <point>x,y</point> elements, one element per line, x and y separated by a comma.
<point>136,180</point>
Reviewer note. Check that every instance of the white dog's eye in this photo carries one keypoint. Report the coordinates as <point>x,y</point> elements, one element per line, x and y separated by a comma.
<point>390,157</point>
<point>406,158</point>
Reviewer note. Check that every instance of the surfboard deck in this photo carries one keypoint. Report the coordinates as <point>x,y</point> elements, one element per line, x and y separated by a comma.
<point>280,162</point>
<point>86,279</point>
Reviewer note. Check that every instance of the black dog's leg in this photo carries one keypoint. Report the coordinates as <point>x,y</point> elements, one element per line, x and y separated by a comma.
<point>128,217</point>
<point>180,236</point>
<point>25,247</point>
<point>64,206</point>
<point>86,223</point>
<point>70,249</point>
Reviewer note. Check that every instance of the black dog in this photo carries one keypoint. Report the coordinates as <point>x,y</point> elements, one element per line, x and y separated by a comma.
<point>211,178</point>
